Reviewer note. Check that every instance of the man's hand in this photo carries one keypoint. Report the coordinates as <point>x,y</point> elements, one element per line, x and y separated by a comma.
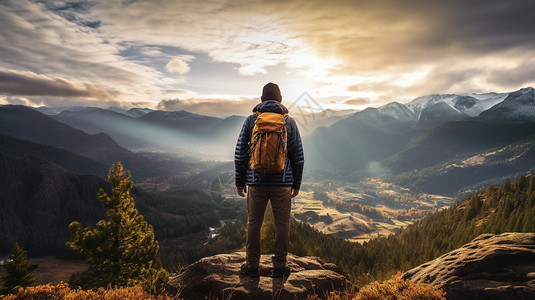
<point>241,191</point>
<point>295,192</point>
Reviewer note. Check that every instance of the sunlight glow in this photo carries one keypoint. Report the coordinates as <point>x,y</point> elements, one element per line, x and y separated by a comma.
<point>409,79</point>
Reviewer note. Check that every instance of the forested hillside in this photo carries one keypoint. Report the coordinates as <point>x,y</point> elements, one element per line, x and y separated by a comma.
<point>30,125</point>
<point>408,144</point>
<point>66,159</point>
<point>38,200</point>
<point>507,208</point>
<point>471,172</point>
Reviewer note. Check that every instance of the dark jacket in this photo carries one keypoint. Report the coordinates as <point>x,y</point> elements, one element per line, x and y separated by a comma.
<point>293,167</point>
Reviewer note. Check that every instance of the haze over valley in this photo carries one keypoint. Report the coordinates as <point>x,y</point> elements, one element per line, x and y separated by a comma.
<point>368,173</point>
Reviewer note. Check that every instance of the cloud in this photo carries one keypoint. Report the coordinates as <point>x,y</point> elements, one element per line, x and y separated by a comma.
<point>177,91</point>
<point>177,65</point>
<point>56,101</point>
<point>368,36</point>
<point>411,48</point>
<point>226,31</point>
<point>395,50</point>
<point>31,84</point>
<point>357,101</point>
<point>39,41</point>
<point>210,107</point>
<point>257,34</point>
<point>376,44</point>
<point>521,72</point>
<point>13,100</point>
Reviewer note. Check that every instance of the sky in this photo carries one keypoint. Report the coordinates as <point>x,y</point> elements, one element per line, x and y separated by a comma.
<point>214,57</point>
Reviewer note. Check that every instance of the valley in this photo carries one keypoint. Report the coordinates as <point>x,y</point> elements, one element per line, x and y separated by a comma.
<point>364,210</point>
<point>368,174</point>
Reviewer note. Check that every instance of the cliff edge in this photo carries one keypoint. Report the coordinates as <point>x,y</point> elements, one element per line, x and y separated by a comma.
<point>218,276</point>
<point>489,267</point>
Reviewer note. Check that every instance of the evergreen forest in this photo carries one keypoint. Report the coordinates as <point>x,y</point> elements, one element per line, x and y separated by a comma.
<point>40,196</point>
<point>496,209</point>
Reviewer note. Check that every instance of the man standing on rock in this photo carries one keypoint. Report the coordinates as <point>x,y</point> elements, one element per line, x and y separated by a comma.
<point>269,164</point>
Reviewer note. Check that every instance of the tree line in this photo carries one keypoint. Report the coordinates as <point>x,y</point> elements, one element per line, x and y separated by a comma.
<point>498,209</point>
<point>39,199</point>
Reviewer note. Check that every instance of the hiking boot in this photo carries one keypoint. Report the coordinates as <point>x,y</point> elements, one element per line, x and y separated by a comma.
<point>281,272</point>
<point>251,272</point>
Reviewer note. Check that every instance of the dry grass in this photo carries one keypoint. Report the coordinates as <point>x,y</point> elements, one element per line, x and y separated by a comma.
<point>54,270</point>
<point>63,291</point>
<point>392,289</point>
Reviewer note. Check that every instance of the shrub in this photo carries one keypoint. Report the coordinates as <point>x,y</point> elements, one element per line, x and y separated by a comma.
<point>397,288</point>
<point>63,291</point>
<point>392,289</point>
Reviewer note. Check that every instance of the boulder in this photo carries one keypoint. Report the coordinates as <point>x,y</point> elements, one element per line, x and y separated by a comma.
<point>489,267</point>
<point>219,277</point>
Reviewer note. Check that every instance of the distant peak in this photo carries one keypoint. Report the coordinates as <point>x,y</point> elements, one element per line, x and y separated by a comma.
<point>526,90</point>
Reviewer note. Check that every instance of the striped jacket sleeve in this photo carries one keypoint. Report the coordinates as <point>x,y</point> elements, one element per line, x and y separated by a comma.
<point>296,154</point>
<point>241,155</point>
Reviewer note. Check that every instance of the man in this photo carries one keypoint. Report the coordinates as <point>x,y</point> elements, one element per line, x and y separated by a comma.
<point>278,188</point>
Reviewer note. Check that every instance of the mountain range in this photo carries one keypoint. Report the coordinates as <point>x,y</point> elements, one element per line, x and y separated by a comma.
<point>30,125</point>
<point>179,132</point>
<point>53,160</point>
<point>402,138</point>
<point>392,140</point>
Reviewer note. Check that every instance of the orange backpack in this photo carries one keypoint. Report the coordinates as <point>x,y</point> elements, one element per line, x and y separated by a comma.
<point>267,149</point>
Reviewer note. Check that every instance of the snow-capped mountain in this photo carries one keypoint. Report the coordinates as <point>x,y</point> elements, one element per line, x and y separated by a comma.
<point>519,106</point>
<point>420,103</point>
<point>468,104</point>
<point>397,111</point>
<point>434,110</point>
<point>482,103</point>
<point>423,132</point>
<point>438,114</point>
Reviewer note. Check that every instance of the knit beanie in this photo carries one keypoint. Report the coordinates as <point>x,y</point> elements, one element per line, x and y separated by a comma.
<point>271,91</point>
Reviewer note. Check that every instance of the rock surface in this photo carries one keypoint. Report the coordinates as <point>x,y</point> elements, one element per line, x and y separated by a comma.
<point>218,277</point>
<point>489,267</point>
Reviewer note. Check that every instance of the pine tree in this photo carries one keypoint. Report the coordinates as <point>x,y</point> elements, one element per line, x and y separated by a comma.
<point>122,251</point>
<point>18,270</point>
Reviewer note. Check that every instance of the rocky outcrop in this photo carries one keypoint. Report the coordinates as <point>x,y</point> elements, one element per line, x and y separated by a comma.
<point>218,277</point>
<point>489,267</point>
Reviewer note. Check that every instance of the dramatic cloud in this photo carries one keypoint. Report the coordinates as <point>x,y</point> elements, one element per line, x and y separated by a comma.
<point>177,65</point>
<point>31,84</point>
<point>344,49</point>
<point>211,107</point>
<point>341,43</point>
<point>227,31</point>
<point>39,41</point>
<point>380,35</point>
<point>13,100</point>
<point>520,72</point>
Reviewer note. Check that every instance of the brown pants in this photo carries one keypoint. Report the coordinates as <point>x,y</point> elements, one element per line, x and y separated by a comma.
<point>281,203</point>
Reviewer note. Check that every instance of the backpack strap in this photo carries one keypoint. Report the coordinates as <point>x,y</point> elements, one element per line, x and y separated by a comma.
<point>257,112</point>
